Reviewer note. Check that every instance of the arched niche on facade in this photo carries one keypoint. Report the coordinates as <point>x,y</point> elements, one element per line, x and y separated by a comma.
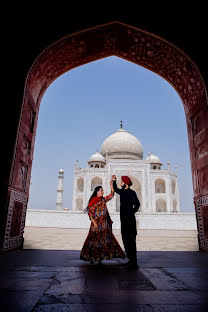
<point>136,186</point>
<point>160,186</point>
<point>174,205</point>
<point>134,45</point>
<point>80,185</point>
<point>95,182</point>
<point>173,186</point>
<point>79,203</point>
<point>161,205</point>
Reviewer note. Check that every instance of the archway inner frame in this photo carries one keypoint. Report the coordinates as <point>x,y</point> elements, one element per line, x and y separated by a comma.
<point>134,45</point>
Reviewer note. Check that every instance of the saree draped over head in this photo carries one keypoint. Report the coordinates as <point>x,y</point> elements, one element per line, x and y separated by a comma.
<point>100,243</point>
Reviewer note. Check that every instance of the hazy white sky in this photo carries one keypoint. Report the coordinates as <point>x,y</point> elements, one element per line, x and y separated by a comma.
<point>84,106</point>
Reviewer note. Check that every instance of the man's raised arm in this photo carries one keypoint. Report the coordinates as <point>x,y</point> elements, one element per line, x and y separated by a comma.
<point>117,190</point>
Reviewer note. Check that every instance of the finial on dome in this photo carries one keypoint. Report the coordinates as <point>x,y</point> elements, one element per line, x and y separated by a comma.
<point>121,124</point>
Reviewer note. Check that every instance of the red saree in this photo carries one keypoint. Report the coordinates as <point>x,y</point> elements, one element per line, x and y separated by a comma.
<point>100,243</point>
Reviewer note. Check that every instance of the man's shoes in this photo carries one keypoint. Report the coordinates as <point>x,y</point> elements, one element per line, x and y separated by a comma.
<point>132,266</point>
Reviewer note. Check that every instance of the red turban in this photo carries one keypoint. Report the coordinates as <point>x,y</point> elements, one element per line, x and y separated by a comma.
<point>126,180</point>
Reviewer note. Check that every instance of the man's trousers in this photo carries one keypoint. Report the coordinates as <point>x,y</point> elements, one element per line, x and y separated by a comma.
<point>129,241</point>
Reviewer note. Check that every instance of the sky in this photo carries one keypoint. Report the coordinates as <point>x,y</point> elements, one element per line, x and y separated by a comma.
<point>82,107</point>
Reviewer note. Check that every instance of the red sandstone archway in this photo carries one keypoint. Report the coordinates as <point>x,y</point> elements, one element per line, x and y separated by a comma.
<point>134,45</point>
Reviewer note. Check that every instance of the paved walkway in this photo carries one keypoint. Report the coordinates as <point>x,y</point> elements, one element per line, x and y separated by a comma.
<point>57,280</point>
<point>73,239</point>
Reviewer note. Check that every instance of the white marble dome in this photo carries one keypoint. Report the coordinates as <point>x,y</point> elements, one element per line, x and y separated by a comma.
<point>122,144</point>
<point>97,157</point>
<point>153,158</point>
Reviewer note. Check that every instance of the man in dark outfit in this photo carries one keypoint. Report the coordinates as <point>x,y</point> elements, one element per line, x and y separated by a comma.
<point>129,206</point>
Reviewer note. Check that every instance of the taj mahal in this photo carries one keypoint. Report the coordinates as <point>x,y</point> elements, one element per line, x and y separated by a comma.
<point>122,154</point>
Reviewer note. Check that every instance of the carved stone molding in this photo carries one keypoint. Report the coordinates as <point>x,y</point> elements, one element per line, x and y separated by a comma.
<point>21,175</point>
<point>201,136</point>
<point>25,149</point>
<point>203,179</point>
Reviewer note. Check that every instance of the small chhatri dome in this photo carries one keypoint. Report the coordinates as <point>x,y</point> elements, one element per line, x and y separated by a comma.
<point>153,158</point>
<point>122,144</point>
<point>97,157</point>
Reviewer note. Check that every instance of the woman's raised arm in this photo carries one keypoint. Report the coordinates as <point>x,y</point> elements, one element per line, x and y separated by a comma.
<point>117,190</point>
<point>110,196</point>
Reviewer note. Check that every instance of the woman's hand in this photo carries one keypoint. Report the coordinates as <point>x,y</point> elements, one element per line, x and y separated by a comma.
<point>95,226</point>
<point>111,185</point>
<point>113,178</point>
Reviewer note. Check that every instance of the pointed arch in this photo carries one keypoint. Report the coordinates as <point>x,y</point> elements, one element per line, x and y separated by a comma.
<point>80,185</point>
<point>95,182</point>
<point>137,46</point>
<point>160,186</point>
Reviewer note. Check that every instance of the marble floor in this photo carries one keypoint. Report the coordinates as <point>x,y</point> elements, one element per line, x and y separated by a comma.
<point>57,280</point>
<point>73,239</point>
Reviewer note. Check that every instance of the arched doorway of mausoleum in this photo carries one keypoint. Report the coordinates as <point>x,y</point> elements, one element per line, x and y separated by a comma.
<point>136,186</point>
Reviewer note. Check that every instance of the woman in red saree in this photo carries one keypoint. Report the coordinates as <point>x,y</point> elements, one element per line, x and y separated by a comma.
<point>100,243</point>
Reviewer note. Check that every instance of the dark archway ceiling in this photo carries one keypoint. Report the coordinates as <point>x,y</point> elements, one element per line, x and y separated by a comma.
<point>34,30</point>
<point>27,31</point>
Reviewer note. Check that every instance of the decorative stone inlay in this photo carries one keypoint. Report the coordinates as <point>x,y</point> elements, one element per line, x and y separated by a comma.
<point>202,201</point>
<point>137,174</point>
<point>15,219</point>
<point>201,204</point>
<point>166,60</point>
<point>110,41</point>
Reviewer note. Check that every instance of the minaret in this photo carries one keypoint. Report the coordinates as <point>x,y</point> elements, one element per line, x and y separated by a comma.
<point>59,197</point>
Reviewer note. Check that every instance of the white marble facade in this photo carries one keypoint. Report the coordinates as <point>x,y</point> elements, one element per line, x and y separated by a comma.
<point>122,154</point>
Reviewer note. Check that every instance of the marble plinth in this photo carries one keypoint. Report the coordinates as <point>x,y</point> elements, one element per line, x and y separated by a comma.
<point>69,219</point>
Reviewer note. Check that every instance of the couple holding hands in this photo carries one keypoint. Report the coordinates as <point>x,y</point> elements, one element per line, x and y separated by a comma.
<point>100,243</point>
